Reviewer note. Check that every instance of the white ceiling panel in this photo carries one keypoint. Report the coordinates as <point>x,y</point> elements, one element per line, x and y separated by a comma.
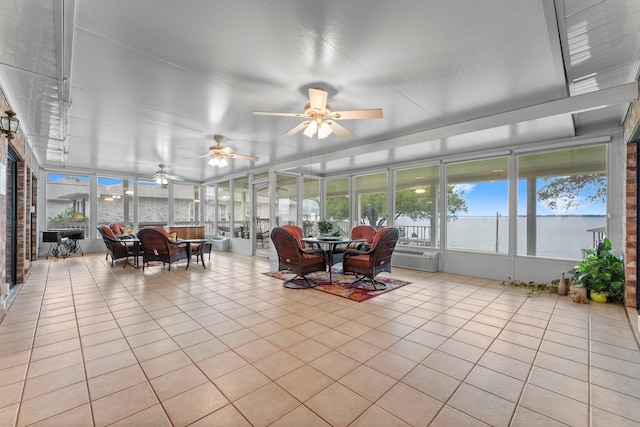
<point>151,81</point>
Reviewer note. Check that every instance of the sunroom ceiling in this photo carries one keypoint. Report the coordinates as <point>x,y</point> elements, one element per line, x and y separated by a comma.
<point>119,87</point>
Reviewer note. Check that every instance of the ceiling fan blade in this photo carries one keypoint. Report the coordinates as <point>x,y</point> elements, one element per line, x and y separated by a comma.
<point>375,113</point>
<point>338,129</point>
<point>209,154</point>
<point>297,129</point>
<point>175,178</point>
<point>227,150</point>
<point>317,99</point>
<point>270,113</point>
<point>242,156</point>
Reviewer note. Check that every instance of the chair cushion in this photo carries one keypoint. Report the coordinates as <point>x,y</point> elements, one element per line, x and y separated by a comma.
<point>117,228</point>
<point>108,232</point>
<point>362,261</point>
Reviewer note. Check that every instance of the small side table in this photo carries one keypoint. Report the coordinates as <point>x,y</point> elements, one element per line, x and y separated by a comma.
<point>199,247</point>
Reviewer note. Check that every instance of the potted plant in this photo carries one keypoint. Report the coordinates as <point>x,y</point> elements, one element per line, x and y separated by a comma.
<point>325,227</point>
<point>602,274</point>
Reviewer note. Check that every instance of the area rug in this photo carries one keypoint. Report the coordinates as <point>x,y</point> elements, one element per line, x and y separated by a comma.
<point>340,284</point>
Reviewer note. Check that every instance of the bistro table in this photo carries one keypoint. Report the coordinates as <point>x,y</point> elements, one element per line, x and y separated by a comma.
<point>203,247</point>
<point>330,243</point>
<point>136,246</point>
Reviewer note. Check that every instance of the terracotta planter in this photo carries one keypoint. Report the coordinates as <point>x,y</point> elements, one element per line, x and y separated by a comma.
<point>578,294</point>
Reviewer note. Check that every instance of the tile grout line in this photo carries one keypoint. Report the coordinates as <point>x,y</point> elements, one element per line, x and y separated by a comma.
<point>33,340</point>
<point>475,364</point>
<point>106,301</point>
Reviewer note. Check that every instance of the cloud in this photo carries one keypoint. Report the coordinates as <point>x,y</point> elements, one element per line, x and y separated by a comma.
<point>466,188</point>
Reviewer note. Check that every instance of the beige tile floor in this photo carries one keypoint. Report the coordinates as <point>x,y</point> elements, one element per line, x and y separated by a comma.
<point>86,344</point>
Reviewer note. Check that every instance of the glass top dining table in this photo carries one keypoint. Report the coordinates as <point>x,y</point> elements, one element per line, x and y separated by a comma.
<point>329,244</point>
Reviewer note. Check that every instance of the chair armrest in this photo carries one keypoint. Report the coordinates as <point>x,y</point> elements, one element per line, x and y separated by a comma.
<point>355,252</point>
<point>313,251</point>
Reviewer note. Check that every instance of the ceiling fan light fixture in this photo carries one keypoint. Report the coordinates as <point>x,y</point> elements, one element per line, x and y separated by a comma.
<point>311,129</point>
<point>219,161</point>
<point>324,130</point>
<point>321,119</point>
<point>162,180</point>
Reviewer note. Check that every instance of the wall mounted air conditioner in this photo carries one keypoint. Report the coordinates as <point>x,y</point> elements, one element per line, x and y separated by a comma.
<point>219,243</point>
<point>417,260</point>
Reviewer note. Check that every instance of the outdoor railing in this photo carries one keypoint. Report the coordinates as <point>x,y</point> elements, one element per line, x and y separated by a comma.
<point>415,235</point>
<point>412,235</point>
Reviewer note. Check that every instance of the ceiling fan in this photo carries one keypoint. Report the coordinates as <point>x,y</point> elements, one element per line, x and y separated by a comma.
<point>162,176</point>
<point>321,119</point>
<point>220,155</point>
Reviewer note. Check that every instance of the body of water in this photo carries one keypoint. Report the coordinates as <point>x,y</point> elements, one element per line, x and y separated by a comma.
<point>557,236</point>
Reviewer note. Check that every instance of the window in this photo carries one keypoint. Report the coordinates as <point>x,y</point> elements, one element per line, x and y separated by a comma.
<point>371,197</point>
<point>210,208</point>
<point>186,208</point>
<point>115,201</point>
<point>223,209</point>
<point>477,205</point>
<point>310,205</point>
<point>241,207</point>
<point>416,207</point>
<point>68,201</point>
<point>337,204</point>
<point>153,204</point>
<point>286,199</point>
<point>561,202</point>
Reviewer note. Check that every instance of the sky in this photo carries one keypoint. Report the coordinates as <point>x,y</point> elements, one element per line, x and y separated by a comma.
<point>483,199</point>
<point>489,198</point>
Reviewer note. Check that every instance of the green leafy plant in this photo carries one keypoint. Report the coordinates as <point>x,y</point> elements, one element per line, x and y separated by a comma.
<point>325,227</point>
<point>601,271</point>
<point>68,215</point>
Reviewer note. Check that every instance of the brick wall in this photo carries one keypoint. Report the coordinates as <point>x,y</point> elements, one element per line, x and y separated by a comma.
<point>632,137</point>
<point>631,283</point>
<point>25,228</point>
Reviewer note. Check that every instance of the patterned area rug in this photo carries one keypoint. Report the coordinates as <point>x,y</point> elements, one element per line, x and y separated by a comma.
<point>341,284</point>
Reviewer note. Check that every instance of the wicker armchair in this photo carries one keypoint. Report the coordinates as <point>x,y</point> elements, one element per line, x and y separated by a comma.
<point>366,232</point>
<point>369,263</point>
<point>117,248</point>
<point>156,246</point>
<point>292,257</point>
<point>296,232</point>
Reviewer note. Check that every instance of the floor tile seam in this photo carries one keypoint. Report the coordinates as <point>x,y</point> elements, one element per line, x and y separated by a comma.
<point>630,324</point>
<point>327,420</point>
<point>475,364</point>
<point>26,374</point>
<point>589,363</point>
<point>550,416</point>
<point>527,381</point>
<point>195,364</point>
<point>551,329</point>
<point>158,402</point>
<point>133,354</point>
<point>613,355</point>
<point>483,391</point>
<point>637,397</point>
<point>632,420</point>
<point>84,360</point>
